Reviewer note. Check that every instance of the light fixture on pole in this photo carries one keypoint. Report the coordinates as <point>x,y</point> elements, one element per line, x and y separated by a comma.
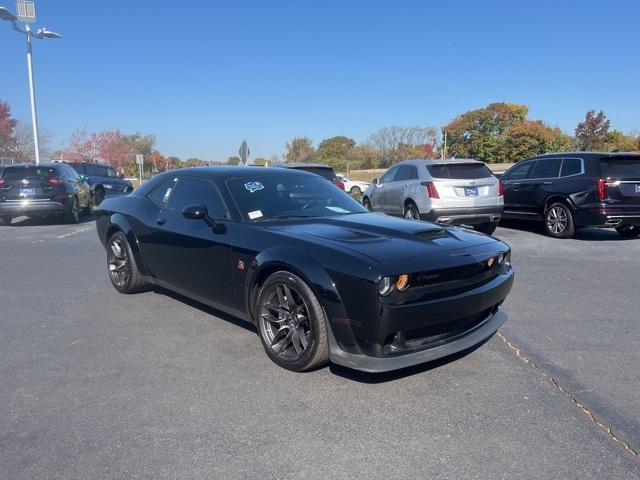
<point>27,15</point>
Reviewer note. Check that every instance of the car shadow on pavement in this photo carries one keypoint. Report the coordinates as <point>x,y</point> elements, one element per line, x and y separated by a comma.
<point>375,378</point>
<point>40,221</point>
<point>583,234</point>
<point>207,309</point>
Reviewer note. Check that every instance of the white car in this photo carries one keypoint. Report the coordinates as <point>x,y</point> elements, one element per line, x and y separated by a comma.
<point>353,186</point>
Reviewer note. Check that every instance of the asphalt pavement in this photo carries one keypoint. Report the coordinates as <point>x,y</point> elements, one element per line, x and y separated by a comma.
<point>99,385</point>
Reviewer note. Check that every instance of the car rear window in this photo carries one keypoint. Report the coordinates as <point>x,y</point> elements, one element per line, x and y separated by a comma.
<point>616,166</point>
<point>96,170</point>
<point>327,173</point>
<point>19,173</point>
<point>461,171</point>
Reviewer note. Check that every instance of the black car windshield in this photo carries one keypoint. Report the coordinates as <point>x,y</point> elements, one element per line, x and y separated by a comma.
<point>262,198</point>
<point>325,172</point>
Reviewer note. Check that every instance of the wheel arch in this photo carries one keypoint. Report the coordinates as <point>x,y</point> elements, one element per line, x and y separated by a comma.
<point>119,223</point>
<point>555,198</point>
<point>300,264</point>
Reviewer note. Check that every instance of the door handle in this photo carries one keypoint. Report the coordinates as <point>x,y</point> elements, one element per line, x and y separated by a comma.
<point>161,221</point>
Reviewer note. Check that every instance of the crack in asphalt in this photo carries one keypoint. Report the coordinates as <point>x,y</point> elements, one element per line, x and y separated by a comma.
<point>590,415</point>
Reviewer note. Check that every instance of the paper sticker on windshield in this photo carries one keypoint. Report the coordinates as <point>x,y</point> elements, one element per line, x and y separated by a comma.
<point>337,209</point>
<point>253,187</point>
<point>255,214</point>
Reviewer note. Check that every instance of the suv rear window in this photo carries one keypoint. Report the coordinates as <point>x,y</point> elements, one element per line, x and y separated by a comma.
<point>327,173</point>
<point>617,166</point>
<point>19,173</point>
<point>462,171</point>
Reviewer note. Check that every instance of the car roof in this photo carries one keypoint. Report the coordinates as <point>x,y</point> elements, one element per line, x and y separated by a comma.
<point>301,165</point>
<point>589,154</point>
<point>446,161</point>
<point>219,172</point>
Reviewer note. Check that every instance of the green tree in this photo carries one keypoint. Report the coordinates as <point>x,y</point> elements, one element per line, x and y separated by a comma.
<point>235,160</point>
<point>531,138</point>
<point>482,133</point>
<point>616,140</point>
<point>335,151</point>
<point>299,149</point>
<point>363,157</point>
<point>260,161</point>
<point>593,132</point>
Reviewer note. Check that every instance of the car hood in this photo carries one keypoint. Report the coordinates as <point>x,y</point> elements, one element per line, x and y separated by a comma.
<point>380,237</point>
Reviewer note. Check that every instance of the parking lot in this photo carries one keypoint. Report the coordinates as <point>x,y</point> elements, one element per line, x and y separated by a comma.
<point>95,384</point>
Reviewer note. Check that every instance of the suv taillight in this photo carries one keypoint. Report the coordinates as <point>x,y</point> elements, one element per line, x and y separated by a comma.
<point>339,184</point>
<point>56,181</point>
<point>2,181</point>
<point>601,189</point>
<point>432,191</point>
<point>500,188</point>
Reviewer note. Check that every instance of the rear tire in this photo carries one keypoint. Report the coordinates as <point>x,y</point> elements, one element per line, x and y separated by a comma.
<point>628,231</point>
<point>98,196</point>
<point>558,221</point>
<point>291,323</point>
<point>367,204</point>
<point>123,270</point>
<point>487,228</point>
<point>411,211</point>
<point>72,215</point>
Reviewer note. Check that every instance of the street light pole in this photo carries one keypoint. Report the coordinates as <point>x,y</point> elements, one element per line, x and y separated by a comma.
<point>32,95</point>
<point>27,15</point>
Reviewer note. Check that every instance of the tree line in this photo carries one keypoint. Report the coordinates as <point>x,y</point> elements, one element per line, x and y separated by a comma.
<point>498,133</point>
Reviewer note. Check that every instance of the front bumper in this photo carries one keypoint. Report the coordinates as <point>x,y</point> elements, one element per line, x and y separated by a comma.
<point>457,344</point>
<point>34,207</point>
<point>464,216</point>
<point>439,325</point>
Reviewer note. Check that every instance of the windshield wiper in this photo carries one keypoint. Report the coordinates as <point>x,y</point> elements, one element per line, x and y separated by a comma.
<point>283,217</point>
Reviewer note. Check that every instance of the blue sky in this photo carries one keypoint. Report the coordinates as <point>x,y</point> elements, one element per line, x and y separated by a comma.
<point>204,76</point>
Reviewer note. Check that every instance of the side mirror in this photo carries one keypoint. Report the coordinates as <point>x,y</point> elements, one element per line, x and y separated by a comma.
<point>198,212</point>
<point>374,181</point>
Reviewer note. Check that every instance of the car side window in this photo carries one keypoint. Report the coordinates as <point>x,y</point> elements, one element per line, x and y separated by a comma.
<point>519,172</point>
<point>71,173</point>
<point>547,168</point>
<point>191,191</point>
<point>571,166</point>
<point>406,172</point>
<point>162,193</point>
<point>389,176</point>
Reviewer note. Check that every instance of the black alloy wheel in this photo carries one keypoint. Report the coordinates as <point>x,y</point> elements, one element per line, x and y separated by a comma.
<point>291,323</point>
<point>123,270</point>
<point>558,221</point>
<point>628,231</point>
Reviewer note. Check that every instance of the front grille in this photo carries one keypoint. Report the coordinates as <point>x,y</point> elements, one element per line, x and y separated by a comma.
<point>435,277</point>
<point>448,328</point>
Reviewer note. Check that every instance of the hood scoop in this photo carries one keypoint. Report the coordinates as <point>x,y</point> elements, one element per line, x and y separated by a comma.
<point>432,234</point>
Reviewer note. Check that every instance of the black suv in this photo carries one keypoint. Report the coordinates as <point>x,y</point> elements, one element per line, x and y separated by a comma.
<point>571,190</point>
<point>42,190</point>
<point>103,180</point>
<point>325,171</point>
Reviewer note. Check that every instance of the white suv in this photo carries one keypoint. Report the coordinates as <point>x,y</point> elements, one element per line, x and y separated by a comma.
<point>459,192</point>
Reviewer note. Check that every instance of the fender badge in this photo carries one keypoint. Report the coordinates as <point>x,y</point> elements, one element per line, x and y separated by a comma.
<point>240,265</point>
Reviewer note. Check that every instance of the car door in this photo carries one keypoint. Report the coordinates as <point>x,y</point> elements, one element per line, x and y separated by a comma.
<point>512,181</point>
<point>380,194</point>
<point>397,189</point>
<point>82,187</point>
<point>542,182</point>
<point>188,255</point>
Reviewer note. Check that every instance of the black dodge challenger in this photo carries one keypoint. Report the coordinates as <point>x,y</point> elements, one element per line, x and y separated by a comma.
<point>321,278</point>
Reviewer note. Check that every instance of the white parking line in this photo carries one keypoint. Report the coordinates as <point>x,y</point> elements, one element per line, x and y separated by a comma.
<point>74,232</point>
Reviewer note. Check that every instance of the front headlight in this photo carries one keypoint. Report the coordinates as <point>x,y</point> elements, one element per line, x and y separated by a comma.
<point>385,286</point>
<point>504,258</point>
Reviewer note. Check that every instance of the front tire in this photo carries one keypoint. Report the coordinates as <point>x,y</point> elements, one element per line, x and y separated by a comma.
<point>123,270</point>
<point>628,231</point>
<point>291,323</point>
<point>367,204</point>
<point>558,221</point>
